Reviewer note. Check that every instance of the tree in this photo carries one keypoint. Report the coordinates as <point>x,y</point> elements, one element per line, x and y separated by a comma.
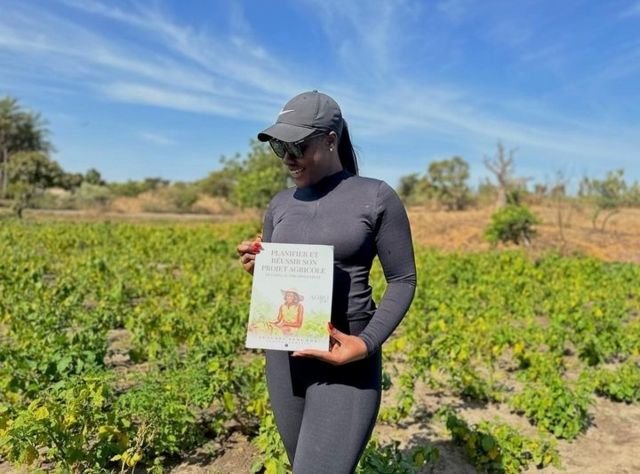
<point>509,187</point>
<point>408,186</point>
<point>133,188</point>
<point>220,183</point>
<point>633,194</point>
<point>415,189</point>
<point>20,131</point>
<point>608,195</point>
<point>28,173</point>
<point>448,179</point>
<point>71,181</point>
<point>9,112</point>
<point>564,208</point>
<point>92,176</point>
<point>261,176</point>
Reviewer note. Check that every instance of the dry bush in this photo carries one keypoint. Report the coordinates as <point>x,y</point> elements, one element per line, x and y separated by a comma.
<point>127,205</point>
<point>157,202</point>
<point>212,205</point>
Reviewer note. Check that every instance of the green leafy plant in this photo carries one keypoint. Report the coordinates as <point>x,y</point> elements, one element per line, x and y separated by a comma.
<point>70,424</point>
<point>512,223</point>
<point>493,446</point>
<point>555,407</point>
<point>390,459</point>
<point>621,384</point>
<point>185,378</point>
<point>273,458</point>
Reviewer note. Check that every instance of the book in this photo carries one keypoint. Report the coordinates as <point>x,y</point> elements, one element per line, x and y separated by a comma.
<point>291,297</point>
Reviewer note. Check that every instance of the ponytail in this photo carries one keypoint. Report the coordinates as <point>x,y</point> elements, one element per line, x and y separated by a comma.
<point>346,152</point>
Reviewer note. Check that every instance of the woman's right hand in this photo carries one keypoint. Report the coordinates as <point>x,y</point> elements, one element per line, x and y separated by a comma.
<point>247,251</point>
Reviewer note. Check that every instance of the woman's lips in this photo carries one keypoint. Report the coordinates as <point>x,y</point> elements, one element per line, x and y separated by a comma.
<point>296,172</point>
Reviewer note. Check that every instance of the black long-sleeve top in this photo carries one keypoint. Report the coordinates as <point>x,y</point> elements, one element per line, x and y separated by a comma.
<point>361,218</point>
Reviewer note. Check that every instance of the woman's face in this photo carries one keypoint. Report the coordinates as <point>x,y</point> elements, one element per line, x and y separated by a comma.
<point>320,159</point>
<point>291,298</point>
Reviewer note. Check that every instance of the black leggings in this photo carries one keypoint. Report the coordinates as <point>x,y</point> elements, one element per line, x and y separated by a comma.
<point>325,414</point>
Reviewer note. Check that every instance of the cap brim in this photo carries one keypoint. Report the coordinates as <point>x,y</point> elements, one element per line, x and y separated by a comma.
<point>285,132</point>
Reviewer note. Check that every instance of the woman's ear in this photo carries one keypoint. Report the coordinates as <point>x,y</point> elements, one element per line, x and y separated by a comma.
<point>332,141</point>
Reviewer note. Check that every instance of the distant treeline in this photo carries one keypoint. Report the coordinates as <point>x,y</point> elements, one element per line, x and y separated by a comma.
<point>27,175</point>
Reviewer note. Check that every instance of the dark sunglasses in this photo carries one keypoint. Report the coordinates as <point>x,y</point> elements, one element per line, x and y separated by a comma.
<point>295,149</point>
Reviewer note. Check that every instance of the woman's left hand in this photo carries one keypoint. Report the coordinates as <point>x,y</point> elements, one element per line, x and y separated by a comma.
<point>344,349</point>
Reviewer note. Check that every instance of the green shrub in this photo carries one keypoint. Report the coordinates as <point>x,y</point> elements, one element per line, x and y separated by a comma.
<point>69,425</point>
<point>493,446</point>
<point>512,223</point>
<point>88,195</point>
<point>47,200</point>
<point>621,385</point>
<point>555,407</point>
<point>133,188</point>
<point>179,197</point>
<point>389,459</point>
<point>182,196</point>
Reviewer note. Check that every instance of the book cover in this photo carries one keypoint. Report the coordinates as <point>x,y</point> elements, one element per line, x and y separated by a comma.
<point>291,297</point>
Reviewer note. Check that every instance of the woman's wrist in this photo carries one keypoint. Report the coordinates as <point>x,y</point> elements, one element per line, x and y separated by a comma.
<point>368,344</point>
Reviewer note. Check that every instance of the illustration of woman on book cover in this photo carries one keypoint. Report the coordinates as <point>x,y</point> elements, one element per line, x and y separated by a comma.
<point>291,312</point>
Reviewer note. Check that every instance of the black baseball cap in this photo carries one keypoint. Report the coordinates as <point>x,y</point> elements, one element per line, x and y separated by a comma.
<point>303,115</point>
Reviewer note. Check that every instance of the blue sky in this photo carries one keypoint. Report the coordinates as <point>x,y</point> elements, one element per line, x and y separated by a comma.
<point>163,88</point>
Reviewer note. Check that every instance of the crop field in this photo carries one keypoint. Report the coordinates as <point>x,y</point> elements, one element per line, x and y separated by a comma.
<point>122,350</point>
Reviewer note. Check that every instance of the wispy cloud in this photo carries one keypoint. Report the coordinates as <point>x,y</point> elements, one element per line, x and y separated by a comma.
<point>367,37</point>
<point>215,68</point>
<point>633,10</point>
<point>156,138</point>
<point>138,93</point>
<point>163,63</point>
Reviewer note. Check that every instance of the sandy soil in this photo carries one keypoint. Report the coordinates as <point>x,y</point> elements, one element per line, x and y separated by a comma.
<point>463,231</point>
<point>609,446</point>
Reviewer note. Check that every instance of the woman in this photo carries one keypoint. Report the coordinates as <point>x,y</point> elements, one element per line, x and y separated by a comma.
<point>291,312</point>
<point>326,402</point>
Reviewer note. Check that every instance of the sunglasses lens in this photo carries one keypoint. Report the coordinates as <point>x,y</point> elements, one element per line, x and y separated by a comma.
<point>278,147</point>
<point>294,149</point>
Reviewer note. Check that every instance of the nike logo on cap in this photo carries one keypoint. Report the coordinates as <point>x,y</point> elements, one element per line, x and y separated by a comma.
<point>286,111</point>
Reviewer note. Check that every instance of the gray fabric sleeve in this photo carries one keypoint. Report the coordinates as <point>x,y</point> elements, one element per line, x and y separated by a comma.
<point>395,251</point>
<point>267,225</point>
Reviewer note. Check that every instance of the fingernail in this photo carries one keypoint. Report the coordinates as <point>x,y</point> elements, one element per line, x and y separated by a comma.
<point>330,326</point>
